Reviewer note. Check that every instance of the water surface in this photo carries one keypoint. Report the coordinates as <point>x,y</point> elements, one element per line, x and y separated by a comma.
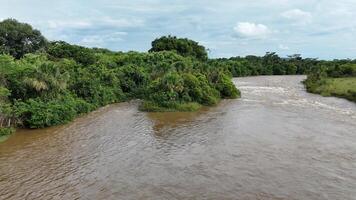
<point>276,142</point>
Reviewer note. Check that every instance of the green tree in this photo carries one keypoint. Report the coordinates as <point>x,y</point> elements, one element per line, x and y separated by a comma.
<point>83,55</point>
<point>182,46</point>
<point>18,39</point>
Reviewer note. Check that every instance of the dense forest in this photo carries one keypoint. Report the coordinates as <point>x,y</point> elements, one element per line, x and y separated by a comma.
<point>45,83</point>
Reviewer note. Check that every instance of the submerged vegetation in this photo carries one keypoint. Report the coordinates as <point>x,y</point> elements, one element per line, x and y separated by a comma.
<point>45,83</point>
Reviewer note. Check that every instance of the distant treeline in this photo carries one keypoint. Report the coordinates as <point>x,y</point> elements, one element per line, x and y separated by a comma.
<point>45,83</point>
<point>269,64</point>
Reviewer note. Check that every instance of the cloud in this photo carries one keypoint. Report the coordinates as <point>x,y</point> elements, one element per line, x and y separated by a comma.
<point>101,40</point>
<point>94,23</point>
<point>100,32</point>
<point>252,30</point>
<point>283,47</point>
<point>147,7</point>
<point>56,24</point>
<point>309,27</point>
<point>298,16</point>
<point>121,22</point>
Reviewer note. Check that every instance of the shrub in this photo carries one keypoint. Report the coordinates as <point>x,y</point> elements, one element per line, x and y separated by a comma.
<point>6,131</point>
<point>197,89</point>
<point>36,113</point>
<point>149,106</point>
<point>80,54</point>
<point>225,86</point>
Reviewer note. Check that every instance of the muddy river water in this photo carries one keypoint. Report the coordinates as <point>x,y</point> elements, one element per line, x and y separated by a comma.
<point>276,142</point>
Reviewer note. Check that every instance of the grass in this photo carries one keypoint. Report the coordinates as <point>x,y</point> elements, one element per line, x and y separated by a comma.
<point>338,87</point>
<point>5,133</point>
<point>149,106</point>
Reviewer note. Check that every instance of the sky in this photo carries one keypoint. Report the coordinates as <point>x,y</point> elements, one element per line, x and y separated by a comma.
<point>324,29</point>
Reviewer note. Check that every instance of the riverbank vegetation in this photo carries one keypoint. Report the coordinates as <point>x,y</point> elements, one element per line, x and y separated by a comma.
<point>45,83</point>
<point>269,64</point>
<point>333,79</point>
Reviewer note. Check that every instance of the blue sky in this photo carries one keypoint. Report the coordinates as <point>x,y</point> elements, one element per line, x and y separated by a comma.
<point>324,29</point>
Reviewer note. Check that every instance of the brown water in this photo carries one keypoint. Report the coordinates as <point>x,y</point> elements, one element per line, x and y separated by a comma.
<point>277,142</point>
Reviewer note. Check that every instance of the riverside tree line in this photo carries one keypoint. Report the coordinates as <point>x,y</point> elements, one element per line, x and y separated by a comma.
<point>45,83</point>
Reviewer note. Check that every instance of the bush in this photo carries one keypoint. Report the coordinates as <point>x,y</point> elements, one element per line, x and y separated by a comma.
<point>149,106</point>
<point>133,80</point>
<point>198,89</point>
<point>34,76</point>
<point>36,113</point>
<point>97,85</point>
<point>6,131</point>
<point>225,86</point>
<point>80,54</point>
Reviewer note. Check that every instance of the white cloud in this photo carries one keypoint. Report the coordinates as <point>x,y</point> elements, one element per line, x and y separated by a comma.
<point>100,40</point>
<point>148,7</point>
<point>122,22</point>
<point>55,24</point>
<point>308,27</point>
<point>283,47</point>
<point>252,30</point>
<point>298,16</point>
<point>91,23</point>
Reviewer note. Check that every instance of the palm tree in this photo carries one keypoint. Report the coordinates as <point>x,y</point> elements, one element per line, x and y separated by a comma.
<point>48,78</point>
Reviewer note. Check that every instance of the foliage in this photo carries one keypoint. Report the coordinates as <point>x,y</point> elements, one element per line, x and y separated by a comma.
<point>37,113</point>
<point>6,131</point>
<point>150,106</point>
<point>55,85</point>
<point>344,70</point>
<point>43,90</point>
<point>269,64</point>
<point>4,93</point>
<point>18,39</point>
<point>335,78</point>
<point>224,85</point>
<point>33,76</point>
<point>339,87</point>
<point>96,85</point>
<point>6,113</point>
<point>133,80</point>
<point>184,47</point>
<point>82,55</point>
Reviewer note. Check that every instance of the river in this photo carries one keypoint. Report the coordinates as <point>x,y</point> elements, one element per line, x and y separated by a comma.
<point>276,142</point>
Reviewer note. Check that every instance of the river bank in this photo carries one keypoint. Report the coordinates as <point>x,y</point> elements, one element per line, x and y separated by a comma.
<point>338,87</point>
<point>276,142</point>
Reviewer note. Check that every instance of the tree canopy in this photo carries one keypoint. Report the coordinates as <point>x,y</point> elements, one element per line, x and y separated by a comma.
<point>182,46</point>
<point>18,39</point>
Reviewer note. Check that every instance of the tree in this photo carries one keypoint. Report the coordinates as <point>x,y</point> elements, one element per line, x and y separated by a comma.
<point>182,46</point>
<point>18,39</point>
<point>61,49</point>
<point>271,61</point>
